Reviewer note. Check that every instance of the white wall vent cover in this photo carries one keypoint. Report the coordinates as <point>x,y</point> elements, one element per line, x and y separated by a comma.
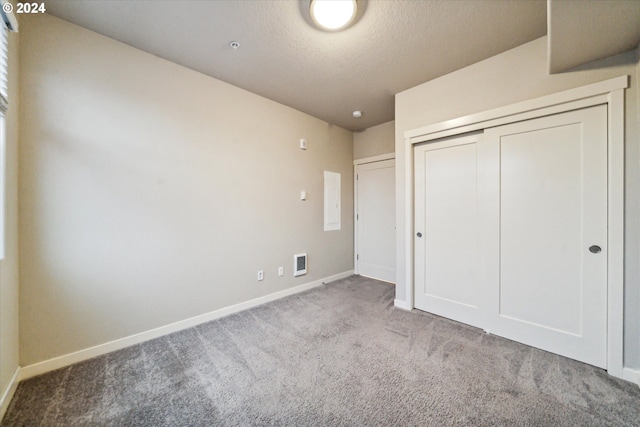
<point>299,264</point>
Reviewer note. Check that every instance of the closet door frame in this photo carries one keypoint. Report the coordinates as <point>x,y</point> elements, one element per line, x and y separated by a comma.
<point>609,92</point>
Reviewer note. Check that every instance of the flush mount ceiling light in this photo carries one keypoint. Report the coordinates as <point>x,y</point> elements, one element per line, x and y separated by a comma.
<point>333,15</point>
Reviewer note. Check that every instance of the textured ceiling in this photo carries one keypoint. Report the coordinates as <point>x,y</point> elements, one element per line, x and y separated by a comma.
<point>394,45</point>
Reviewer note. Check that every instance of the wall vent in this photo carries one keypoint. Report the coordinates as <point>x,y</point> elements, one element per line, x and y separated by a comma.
<point>299,264</point>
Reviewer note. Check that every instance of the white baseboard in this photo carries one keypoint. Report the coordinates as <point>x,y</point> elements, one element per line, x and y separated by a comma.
<point>98,350</point>
<point>8,393</point>
<point>402,305</point>
<point>632,375</point>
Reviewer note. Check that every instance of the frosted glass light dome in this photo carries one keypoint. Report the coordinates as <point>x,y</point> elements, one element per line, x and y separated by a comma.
<point>333,15</point>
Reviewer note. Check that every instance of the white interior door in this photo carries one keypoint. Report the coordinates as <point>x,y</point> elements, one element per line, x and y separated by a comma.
<point>446,231</point>
<point>375,220</point>
<point>549,276</point>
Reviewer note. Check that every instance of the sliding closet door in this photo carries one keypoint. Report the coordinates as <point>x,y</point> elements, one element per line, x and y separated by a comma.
<point>548,275</point>
<point>445,234</point>
<point>511,232</point>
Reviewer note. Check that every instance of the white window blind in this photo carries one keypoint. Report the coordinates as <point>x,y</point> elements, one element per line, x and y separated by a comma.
<point>9,23</point>
<point>4,69</point>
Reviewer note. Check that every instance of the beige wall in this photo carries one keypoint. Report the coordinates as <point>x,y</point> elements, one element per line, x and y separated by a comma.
<point>518,75</point>
<point>9,265</point>
<point>150,193</point>
<point>374,141</point>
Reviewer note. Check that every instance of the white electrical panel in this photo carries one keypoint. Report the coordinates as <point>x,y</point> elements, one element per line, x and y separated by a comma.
<point>331,201</point>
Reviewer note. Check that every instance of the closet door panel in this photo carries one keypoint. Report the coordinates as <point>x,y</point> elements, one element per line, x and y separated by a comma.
<point>446,229</point>
<point>551,289</point>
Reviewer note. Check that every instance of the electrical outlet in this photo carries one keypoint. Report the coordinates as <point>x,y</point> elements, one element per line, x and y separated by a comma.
<point>280,271</point>
<point>260,275</point>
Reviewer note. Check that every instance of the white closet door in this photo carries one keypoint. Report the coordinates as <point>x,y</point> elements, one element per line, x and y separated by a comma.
<point>511,232</point>
<point>547,237</point>
<point>446,246</point>
<point>376,220</point>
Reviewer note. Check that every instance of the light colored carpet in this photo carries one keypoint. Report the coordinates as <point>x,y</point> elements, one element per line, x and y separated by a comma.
<point>338,355</point>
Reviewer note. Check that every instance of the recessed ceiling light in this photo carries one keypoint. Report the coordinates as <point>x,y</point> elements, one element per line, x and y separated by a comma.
<point>357,114</point>
<point>333,15</point>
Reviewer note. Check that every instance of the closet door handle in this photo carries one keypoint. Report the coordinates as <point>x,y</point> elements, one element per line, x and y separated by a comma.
<point>419,234</point>
<point>595,249</point>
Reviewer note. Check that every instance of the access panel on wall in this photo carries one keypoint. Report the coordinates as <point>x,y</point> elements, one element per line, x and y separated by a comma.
<point>511,232</point>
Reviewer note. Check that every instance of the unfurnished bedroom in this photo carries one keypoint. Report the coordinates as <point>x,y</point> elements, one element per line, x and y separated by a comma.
<point>320,213</point>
